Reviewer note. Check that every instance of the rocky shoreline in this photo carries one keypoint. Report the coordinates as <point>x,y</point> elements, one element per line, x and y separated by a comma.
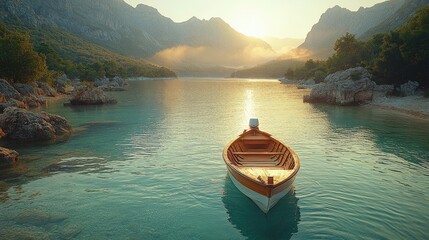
<point>19,124</point>
<point>355,87</point>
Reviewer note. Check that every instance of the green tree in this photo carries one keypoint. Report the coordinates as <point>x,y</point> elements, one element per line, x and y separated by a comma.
<point>348,53</point>
<point>53,59</point>
<point>18,61</point>
<point>415,46</point>
<point>390,66</point>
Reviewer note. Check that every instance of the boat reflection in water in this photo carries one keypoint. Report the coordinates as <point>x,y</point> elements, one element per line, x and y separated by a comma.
<point>244,215</point>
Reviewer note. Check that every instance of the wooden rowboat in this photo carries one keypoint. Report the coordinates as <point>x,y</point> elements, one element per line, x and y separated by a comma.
<point>260,166</point>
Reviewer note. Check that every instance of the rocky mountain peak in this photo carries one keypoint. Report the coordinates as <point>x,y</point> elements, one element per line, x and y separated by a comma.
<point>337,21</point>
<point>145,9</point>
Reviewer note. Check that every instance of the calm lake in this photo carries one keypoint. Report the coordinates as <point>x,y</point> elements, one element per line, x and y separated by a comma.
<point>150,167</point>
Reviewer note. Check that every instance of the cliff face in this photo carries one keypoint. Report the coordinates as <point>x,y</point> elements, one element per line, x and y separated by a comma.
<point>394,21</point>
<point>140,31</point>
<point>337,21</point>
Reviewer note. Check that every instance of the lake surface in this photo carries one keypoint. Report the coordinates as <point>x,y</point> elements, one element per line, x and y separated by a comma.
<point>150,167</point>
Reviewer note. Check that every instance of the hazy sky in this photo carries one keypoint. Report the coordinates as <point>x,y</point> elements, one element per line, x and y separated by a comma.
<point>259,18</point>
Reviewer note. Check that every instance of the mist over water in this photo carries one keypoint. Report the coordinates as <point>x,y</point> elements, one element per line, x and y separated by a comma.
<point>151,167</point>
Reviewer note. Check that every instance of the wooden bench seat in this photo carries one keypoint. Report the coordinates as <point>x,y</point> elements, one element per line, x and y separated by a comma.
<point>258,153</point>
<point>258,164</point>
<point>255,138</point>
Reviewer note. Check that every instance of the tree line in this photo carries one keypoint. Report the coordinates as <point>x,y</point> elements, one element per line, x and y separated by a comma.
<point>393,58</point>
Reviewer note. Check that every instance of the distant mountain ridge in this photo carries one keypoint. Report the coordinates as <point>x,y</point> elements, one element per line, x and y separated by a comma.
<point>333,24</point>
<point>117,26</point>
<point>363,23</point>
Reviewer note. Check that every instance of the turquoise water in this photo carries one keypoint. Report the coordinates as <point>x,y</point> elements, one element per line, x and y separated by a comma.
<point>150,167</point>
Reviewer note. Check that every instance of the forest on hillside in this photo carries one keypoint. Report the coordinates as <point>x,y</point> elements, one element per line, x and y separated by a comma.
<point>44,55</point>
<point>394,58</point>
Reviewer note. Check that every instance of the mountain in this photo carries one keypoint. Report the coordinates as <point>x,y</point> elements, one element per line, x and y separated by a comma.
<point>283,45</point>
<point>337,21</point>
<point>396,20</point>
<point>333,24</point>
<point>140,32</point>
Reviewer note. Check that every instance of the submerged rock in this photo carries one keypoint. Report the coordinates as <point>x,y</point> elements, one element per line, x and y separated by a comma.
<point>348,87</point>
<point>39,218</point>
<point>22,232</point>
<point>8,157</point>
<point>22,125</point>
<point>90,96</point>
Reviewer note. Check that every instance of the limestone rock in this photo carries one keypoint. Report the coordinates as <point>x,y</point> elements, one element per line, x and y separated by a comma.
<point>60,124</point>
<point>8,91</point>
<point>22,125</point>
<point>48,90</point>
<point>7,157</point>
<point>12,103</point>
<point>383,90</point>
<point>111,84</point>
<point>348,87</point>
<point>25,89</point>
<point>63,85</point>
<point>34,101</point>
<point>409,88</point>
<point>90,96</point>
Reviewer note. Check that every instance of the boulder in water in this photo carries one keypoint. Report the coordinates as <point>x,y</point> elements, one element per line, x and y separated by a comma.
<point>90,96</point>
<point>22,125</point>
<point>348,87</point>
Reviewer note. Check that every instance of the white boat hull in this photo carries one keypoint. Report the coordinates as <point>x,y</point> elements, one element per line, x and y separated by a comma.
<point>263,202</point>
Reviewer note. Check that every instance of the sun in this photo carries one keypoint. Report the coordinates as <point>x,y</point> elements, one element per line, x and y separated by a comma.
<point>250,24</point>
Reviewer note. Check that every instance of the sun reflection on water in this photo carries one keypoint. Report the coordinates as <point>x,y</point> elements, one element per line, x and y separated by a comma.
<point>249,111</point>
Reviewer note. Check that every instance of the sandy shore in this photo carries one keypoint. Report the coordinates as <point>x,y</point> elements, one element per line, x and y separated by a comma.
<point>412,105</point>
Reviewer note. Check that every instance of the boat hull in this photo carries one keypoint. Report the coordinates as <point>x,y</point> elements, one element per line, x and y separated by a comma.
<point>262,201</point>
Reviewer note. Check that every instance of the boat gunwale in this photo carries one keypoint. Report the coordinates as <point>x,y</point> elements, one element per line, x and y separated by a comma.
<point>297,164</point>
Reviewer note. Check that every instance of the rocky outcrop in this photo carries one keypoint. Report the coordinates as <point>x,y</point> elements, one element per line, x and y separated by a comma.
<point>8,91</point>
<point>47,90</point>
<point>111,84</point>
<point>24,95</point>
<point>22,125</point>
<point>25,89</point>
<point>348,87</point>
<point>63,85</point>
<point>12,103</point>
<point>90,96</point>
<point>7,157</point>
<point>409,88</point>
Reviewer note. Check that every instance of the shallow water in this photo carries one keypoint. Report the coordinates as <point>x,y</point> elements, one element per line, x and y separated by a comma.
<point>151,167</point>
